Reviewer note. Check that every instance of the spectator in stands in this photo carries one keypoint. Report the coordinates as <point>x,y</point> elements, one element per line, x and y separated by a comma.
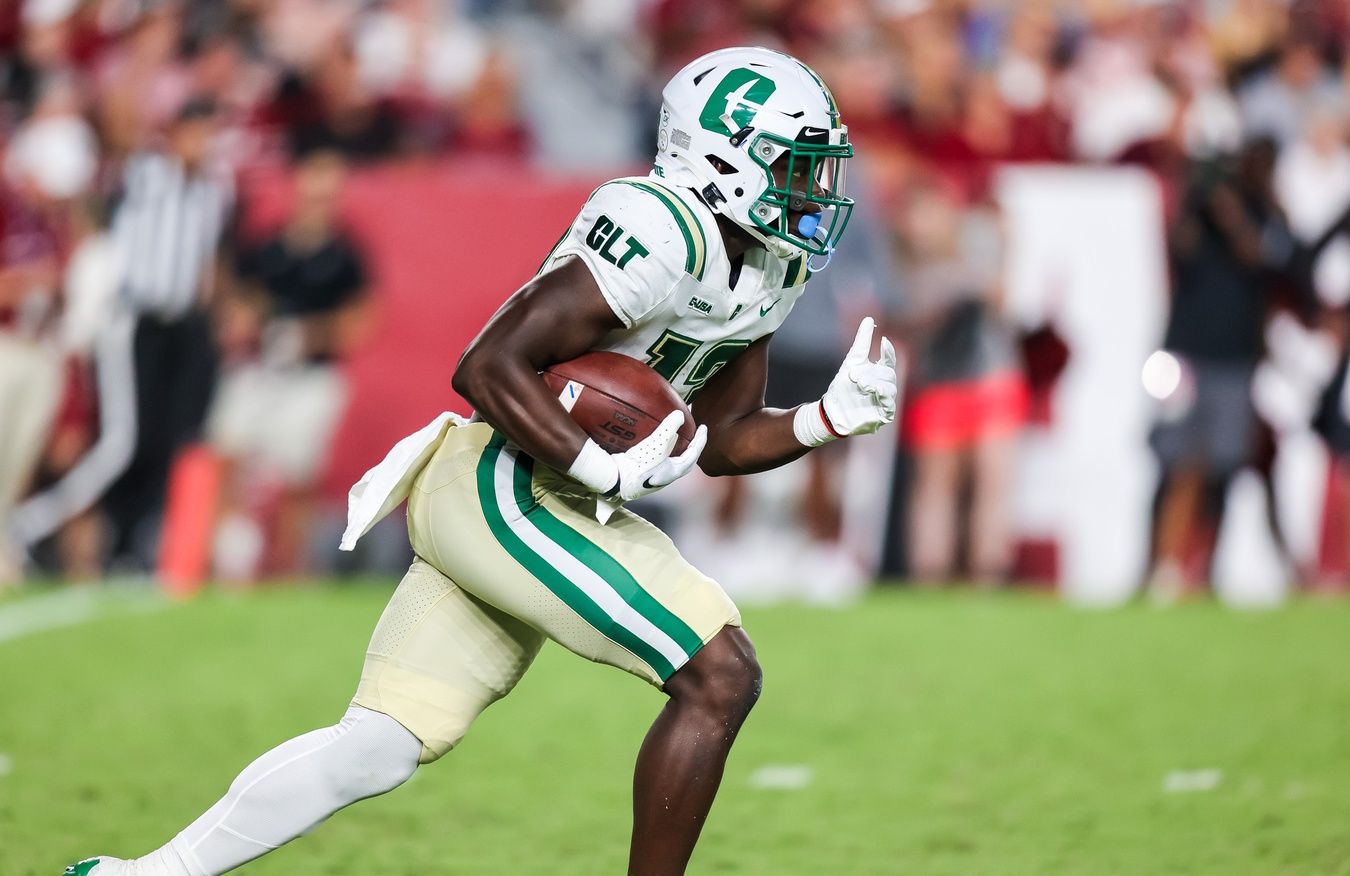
<point>336,111</point>
<point>89,289</point>
<point>141,81</point>
<point>951,88</point>
<point>36,48</point>
<point>1312,180</point>
<point>447,77</point>
<point>582,77</point>
<point>1226,245</point>
<point>1277,103</point>
<point>1115,95</point>
<point>298,309</point>
<point>418,51</point>
<point>1246,31</point>
<point>157,359</point>
<point>967,394</point>
<point>220,69</point>
<point>298,34</point>
<point>31,250</point>
<point>1025,70</point>
<point>52,158</point>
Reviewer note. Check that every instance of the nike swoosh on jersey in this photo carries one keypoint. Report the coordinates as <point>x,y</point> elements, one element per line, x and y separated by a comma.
<point>763,311</point>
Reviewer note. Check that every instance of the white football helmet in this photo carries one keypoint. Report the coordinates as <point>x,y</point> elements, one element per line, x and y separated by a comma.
<point>757,134</point>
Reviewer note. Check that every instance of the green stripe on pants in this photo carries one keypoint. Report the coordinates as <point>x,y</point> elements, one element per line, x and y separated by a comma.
<point>583,550</point>
<point>600,562</point>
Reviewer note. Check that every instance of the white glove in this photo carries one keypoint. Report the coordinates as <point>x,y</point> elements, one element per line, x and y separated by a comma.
<point>642,469</point>
<point>861,398</point>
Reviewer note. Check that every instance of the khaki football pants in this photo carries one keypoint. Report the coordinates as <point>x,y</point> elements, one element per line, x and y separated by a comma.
<point>510,553</point>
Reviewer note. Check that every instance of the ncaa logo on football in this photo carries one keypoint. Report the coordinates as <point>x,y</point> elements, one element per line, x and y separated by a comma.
<point>569,395</point>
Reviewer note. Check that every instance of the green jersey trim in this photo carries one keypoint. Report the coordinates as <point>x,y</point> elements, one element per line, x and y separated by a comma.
<point>696,243</point>
<point>796,273</point>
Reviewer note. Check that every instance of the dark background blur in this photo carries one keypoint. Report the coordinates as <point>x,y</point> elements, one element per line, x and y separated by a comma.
<point>243,243</point>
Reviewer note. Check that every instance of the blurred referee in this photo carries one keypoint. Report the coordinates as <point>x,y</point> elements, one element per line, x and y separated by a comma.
<point>157,359</point>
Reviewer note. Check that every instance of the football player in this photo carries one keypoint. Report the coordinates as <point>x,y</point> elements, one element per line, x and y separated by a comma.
<point>512,515</point>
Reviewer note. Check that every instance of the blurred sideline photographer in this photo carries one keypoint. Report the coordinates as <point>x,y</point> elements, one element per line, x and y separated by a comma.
<point>1228,245</point>
<point>156,361</point>
<point>296,309</point>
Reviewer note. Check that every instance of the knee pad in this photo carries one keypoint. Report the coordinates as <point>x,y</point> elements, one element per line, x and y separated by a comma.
<point>445,722</point>
<point>439,657</point>
<point>378,752</point>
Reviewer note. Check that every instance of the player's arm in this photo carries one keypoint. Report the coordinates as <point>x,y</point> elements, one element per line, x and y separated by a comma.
<point>743,435</point>
<point>557,316</point>
<point>746,437</point>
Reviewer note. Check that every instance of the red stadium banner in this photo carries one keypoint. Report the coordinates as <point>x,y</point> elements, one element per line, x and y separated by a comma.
<point>446,244</point>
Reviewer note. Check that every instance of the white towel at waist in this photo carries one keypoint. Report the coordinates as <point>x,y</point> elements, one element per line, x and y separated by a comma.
<point>381,489</point>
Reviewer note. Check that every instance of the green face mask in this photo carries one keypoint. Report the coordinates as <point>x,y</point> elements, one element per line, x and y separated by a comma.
<point>807,189</point>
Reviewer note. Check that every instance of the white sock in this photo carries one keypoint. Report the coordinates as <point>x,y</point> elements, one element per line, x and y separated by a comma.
<point>289,791</point>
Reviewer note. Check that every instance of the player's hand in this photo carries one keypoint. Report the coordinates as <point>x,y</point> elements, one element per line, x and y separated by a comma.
<point>647,466</point>
<point>861,398</point>
<point>642,469</point>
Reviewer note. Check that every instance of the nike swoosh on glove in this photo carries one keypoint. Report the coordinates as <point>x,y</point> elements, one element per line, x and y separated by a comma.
<point>861,398</point>
<point>642,469</point>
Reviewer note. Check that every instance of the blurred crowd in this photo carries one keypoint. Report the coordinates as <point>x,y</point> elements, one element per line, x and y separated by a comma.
<point>137,321</point>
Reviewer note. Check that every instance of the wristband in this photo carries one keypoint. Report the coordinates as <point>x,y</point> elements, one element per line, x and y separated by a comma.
<point>594,468</point>
<point>812,427</point>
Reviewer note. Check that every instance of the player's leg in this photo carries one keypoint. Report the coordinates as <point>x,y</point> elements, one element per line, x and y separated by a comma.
<point>679,767</point>
<point>528,542</point>
<point>438,657</point>
<point>283,794</point>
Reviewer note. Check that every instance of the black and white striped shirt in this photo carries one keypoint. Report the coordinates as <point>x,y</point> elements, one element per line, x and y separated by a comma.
<point>167,228</point>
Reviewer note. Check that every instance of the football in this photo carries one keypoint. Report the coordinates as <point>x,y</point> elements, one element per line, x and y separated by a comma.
<point>616,399</point>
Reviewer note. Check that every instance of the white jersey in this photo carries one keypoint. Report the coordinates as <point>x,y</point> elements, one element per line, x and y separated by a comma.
<point>657,254</point>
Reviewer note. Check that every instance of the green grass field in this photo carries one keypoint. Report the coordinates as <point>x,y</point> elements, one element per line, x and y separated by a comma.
<point>943,734</point>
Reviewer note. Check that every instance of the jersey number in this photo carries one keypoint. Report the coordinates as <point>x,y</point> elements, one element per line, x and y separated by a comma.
<point>672,351</point>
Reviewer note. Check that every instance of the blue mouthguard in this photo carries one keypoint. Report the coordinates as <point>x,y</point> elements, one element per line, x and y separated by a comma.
<point>807,225</point>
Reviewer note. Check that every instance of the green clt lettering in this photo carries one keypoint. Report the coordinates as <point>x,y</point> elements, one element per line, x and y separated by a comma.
<point>606,234</point>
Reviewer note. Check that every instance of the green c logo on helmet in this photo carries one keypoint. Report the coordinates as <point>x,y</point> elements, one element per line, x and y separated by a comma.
<point>739,95</point>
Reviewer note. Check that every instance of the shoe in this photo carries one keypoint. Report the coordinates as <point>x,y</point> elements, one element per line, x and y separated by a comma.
<point>100,866</point>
